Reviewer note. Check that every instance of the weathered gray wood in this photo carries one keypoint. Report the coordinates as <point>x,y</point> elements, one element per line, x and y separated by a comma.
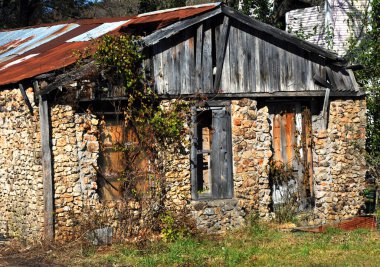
<point>26,99</point>
<point>194,164</point>
<point>207,66</point>
<point>275,66</point>
<point>315,93</point>
<point>234,67</point>
<point>282,35</point>
<point>189,62</point>
<point>230,182</point>
<point>264,66</point>
<point>46,168</point>
<point>198,59</point>
<point>177,27</point>
<point>222,45</point>
<point>157,70</point>
<point>241,60</point>
<point>326,107</point>
<point>216,167</point>
<point>331,78</point>
<point>69,77</point>
<point>321,81</point>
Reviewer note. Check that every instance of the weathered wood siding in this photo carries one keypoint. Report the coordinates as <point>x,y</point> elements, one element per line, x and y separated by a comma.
<point>253,62</point>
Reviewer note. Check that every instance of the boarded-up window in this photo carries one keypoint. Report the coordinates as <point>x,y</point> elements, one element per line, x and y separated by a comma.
<point>119,164</point>
<point>211,160</point>
<point>292,145</point>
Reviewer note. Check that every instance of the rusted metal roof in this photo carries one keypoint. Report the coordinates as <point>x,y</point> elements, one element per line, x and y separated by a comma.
<point>28,52</point>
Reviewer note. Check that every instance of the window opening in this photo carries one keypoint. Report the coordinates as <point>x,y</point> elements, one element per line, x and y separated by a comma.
<point>211,153</point>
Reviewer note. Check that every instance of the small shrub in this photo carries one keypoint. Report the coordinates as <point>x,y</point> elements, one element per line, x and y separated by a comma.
<point>176,226</point>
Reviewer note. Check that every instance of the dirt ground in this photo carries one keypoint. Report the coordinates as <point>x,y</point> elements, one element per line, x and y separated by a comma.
<point>15,255</point>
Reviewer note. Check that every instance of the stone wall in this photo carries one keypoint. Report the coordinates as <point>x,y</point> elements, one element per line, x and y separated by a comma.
<point>75,151</point>
<point>339,169</point>
<point>21,188</point>
<point>339,163</point>
<point>251,141</point>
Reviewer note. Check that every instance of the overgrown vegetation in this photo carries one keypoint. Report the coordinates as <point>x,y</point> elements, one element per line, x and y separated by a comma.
<point>255,245</point>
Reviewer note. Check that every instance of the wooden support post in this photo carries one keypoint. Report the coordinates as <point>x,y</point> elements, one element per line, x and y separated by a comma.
<point>26,99</point>
<point>193,161</point>
<point>326,108</point>
<point>46,167</point>
<point>221,53</point>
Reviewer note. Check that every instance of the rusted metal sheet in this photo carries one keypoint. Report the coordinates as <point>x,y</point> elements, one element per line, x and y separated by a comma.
<point>28,52</point>
<point>359,222</point>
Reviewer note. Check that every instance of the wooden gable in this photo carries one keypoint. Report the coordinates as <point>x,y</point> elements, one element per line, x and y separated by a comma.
<point>226,55</point>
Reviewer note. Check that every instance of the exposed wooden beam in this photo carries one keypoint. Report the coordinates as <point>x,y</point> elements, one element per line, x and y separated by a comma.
<point>26,99</point>
<point>320,93</point>
<point>223,39</point>
<point>46,167</point>
<point>177,27</point>
<point>330,76</point>
<point>319,80</point>
<point>69,77</point>
<point>326,107</point>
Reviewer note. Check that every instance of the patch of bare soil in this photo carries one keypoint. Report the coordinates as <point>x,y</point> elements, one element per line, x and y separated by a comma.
<point>14,254</point>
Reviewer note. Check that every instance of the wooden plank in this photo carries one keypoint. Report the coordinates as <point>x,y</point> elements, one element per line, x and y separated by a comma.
<point>308,152</point>
<point>177,27</point>
<point>277,138</point>
<point>26,99</point>
<point>221,44</point>
<point>290,134</point>
<point>178,65</point>
<point>158,71</point>
<point>207,67</point>
<point>257,65</point>
<point>275,65</point>
<point>263,66</point>
<point>198,59</point>
<point>331,78</point>
<point>234,74</point>
<point>47,162</point>
<point>283,57</point>
<point>325,108</point>
<point>190,61</point>
<point>230,183</point>
<point>241,59</point>
<point>215,155</point>
<point>193,154</point>
<point>319,93</point>
<point>250,68</point>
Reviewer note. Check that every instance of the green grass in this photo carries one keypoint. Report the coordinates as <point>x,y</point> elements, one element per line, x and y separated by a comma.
<point>258,245</point>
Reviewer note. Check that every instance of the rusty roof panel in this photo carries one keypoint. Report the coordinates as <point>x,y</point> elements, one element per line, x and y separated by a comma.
<point>28,52</point>
<point>98,31</point>
<point>31,38</point>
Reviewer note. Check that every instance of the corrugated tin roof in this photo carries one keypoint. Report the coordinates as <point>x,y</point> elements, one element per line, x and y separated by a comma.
<point>28,52</point>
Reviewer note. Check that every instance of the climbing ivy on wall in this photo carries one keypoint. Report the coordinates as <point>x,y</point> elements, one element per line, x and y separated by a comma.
<point>120,60</point>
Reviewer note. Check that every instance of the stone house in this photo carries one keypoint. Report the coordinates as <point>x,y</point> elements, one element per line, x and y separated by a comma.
<point>274,103</point>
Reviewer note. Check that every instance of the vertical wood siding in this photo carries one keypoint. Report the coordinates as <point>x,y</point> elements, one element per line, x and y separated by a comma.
<point>253,62</point>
